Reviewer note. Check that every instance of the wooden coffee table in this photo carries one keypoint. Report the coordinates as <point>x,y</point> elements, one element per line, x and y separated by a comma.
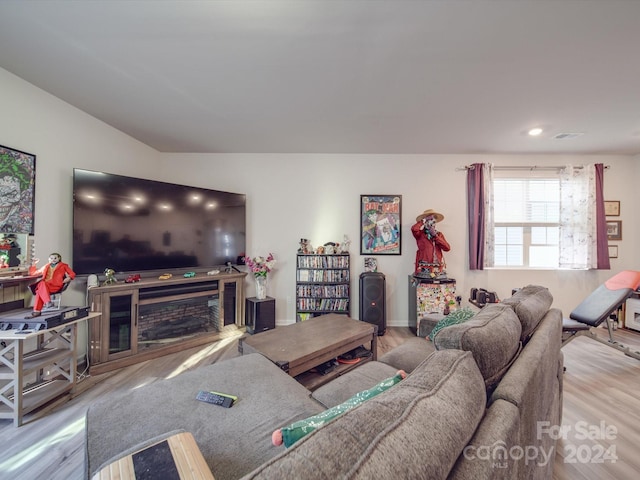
<point>299,347</point>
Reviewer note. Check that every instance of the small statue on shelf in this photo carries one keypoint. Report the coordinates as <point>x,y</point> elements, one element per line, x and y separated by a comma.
<point>330,248</point>
<point>305,246</point>
<point>110,275</point>
<point>344,246</point>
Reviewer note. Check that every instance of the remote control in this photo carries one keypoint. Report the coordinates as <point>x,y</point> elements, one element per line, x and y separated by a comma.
<point>215,398</point>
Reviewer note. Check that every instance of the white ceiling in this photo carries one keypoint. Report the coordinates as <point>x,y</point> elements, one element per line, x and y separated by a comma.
<point>306,76</point>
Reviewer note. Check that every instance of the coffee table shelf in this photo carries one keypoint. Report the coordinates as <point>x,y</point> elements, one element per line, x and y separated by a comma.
<point>314,380</point>
<point>299,347</point>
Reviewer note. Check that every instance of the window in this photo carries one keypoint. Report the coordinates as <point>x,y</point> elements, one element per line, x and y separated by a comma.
<point>526,221</point>
<point>536,217</point>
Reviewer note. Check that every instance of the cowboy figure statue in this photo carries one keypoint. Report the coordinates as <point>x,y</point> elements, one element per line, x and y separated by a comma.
<point>431,244</point>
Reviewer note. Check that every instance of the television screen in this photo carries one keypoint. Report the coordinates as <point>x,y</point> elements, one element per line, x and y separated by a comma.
<point>132,225</point>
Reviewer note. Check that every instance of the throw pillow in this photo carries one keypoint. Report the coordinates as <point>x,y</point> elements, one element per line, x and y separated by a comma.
<point>457,316</point>
<point>297,430</point>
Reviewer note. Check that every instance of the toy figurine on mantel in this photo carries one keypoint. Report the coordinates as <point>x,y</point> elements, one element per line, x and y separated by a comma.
<point>110,276</point>
<point>431,243</point>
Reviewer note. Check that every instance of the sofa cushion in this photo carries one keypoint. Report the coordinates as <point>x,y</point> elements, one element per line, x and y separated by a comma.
<point>420,425</point>
<point>530,303</point>
<point>292,433</point>
<point>492,335</point>
<point>346,386</point>
<point>224,435</point>
<point>408,355</point>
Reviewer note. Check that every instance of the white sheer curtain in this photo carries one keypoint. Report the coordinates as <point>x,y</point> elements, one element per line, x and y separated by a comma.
<point>489,217</point>
<point>578,232</point>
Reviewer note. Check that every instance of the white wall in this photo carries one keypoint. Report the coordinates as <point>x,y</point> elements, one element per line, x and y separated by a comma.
<point>62,138</point>
<point>317,197</point>
<point>294,196</point>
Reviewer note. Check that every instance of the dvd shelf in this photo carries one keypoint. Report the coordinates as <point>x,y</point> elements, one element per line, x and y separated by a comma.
<point>322,285</point>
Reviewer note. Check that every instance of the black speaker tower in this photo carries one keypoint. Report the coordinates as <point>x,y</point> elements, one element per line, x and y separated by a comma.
<point>372,300</point>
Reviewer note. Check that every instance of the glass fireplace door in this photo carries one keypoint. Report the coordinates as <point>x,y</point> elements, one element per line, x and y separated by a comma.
<point>161,322</point>
<point>122,324</point>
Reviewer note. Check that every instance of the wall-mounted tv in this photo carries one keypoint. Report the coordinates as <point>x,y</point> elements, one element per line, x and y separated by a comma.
<point>134,225</point>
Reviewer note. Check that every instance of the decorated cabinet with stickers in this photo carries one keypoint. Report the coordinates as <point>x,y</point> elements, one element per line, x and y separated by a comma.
<point>429,296</point>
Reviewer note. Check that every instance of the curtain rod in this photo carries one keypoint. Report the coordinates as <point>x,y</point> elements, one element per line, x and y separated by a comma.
<point>527,167</point>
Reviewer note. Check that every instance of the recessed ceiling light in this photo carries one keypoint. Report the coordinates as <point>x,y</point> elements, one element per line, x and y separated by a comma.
<point>534,132</point>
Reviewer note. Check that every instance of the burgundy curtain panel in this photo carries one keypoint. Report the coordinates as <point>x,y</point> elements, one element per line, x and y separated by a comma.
<point>475,215</point>
<point>601,221</point>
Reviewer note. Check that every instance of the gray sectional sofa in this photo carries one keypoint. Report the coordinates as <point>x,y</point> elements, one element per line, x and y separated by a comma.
<point>476,404</point>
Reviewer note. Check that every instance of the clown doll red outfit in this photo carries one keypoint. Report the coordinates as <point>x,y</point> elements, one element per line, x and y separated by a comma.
<point>54,276</point>
<point>431,243</point>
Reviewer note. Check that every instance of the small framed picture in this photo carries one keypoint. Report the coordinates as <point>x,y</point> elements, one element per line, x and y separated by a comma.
<point>613,251</point>
<point>612,208</point>
<point>614,229</point>
<point>370,264</point>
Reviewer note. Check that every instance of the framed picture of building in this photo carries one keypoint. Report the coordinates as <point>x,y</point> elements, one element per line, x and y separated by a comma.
<point>614,229</point>
<point>17,191</point>
<point>380,217</point>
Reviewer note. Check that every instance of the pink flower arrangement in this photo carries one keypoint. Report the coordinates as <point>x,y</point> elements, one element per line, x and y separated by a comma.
<point>260,266</point>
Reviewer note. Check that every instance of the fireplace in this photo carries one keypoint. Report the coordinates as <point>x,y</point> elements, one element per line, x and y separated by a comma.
<point>163,323</point>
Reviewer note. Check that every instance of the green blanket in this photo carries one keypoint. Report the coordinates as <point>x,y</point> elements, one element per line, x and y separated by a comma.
<point>294,432</point>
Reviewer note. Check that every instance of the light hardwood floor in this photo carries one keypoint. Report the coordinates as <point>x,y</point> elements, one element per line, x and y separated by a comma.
<point>601,410</point>
<point>601,401</point>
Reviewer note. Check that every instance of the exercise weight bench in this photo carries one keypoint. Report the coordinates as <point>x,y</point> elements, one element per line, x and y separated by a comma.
<point>598,307</point>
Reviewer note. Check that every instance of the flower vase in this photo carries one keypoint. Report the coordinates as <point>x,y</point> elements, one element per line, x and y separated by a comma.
<point>261,287</point>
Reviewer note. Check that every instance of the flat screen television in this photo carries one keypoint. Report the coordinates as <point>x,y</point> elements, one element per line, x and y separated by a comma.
<point>135,225</point>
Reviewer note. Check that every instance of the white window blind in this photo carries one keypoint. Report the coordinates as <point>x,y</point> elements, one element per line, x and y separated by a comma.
<point>535,200</point>
<point>527,216</point>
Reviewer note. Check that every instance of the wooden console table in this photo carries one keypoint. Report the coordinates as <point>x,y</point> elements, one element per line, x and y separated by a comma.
<point>24,375</point>
<point>299,347</point>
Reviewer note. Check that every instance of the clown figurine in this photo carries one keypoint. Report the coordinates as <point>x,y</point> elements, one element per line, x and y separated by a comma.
<point>55,275</point>
<point>431,244</point>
